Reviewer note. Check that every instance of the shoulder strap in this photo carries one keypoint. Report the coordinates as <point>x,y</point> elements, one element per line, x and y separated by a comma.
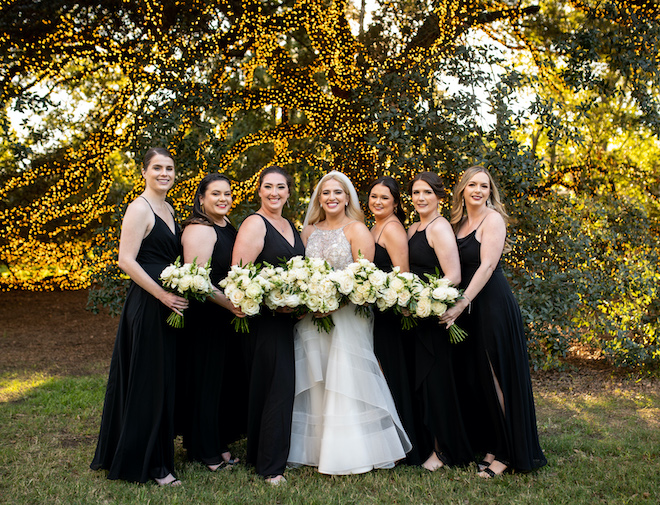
<point>383,229</point>
<point>152,209</point>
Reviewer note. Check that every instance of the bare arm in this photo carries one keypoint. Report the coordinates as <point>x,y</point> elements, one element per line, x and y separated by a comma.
<point>249,241</point>
<point>441,237</point>
<point>492,237</point>
<point>307,231</point>
<point>137,224</point>
<point>361,240</point>
<point>395,240</point>
<point>198,241</point>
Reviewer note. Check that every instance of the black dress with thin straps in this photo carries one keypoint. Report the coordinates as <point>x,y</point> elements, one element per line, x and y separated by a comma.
<point>435,385</point>
<point>496,340</point>
<point>137,427</point>
<point>394,348</point>
<point>272,369</point>
<point>211,377</point>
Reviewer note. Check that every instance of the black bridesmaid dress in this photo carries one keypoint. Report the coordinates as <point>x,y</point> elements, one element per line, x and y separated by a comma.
<point>272,370</point>
<point>137,427</point>
<point>212,393</point>
<point>434,375</point>
<point>496,338</point>
<point>394,348</point>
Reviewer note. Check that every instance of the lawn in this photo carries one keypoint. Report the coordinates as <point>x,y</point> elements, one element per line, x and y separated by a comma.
<point>601,438</point>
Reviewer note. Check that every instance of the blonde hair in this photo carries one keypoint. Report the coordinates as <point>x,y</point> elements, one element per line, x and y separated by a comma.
<point>458,212</point>
<point>315,212</point>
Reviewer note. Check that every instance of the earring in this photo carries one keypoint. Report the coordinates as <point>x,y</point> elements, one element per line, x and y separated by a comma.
<point>489,204</point>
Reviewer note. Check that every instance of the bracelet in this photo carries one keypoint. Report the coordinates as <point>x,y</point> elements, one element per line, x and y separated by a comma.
<point>469,303</point>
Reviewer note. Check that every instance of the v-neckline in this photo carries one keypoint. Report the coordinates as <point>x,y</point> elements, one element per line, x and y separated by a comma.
<point>292,246</point>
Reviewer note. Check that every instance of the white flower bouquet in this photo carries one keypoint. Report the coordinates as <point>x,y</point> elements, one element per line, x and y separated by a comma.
<point>400,292</point>
<point>304,284</point>
<point>189,280</point>
<point>245,287</point>
<point>367,281</point>
<point>437,295</point>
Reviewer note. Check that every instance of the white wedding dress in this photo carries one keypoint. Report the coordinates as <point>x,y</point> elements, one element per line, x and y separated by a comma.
<point>344,418</point>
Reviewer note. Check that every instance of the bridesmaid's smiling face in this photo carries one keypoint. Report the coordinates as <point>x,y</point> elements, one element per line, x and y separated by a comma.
<point>273,192</point>
<point>333,198</point>
<point>381,202</point>
<point>424,199</point>
<point>159,174</point>
<point>217,200</point>
<point>477,190</point>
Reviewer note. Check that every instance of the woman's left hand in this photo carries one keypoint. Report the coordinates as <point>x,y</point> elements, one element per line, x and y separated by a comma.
<point>451,314</point>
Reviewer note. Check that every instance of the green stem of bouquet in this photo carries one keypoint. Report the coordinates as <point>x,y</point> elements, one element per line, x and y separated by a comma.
<point>456,334</point>
<point>175,320</point>
<point>241,325</point>
<point>324,323</point>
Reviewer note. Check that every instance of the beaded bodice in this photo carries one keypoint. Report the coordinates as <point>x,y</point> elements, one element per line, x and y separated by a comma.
<point>331,245</point>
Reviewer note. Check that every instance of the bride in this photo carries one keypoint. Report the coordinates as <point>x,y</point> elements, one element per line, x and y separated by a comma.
<point>344,418</point>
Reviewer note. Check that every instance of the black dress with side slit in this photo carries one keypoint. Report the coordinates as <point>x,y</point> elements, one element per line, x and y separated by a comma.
<point>272,369</point>
<point>137,427</point>
<point>496,350</point>
<point>434,373</point>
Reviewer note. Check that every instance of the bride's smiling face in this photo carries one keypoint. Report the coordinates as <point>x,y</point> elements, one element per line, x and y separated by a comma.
<point>333,198</point>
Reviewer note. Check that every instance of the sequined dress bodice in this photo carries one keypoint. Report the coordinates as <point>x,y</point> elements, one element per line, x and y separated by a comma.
<point>331,245</point>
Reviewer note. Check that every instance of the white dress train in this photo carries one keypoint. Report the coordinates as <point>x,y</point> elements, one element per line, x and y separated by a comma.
<point>344,418</point>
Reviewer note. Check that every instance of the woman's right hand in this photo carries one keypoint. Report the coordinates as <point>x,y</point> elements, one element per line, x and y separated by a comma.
<point>174,302</point>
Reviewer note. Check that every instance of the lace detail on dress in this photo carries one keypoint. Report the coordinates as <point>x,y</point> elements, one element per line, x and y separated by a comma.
<point>331,245</point>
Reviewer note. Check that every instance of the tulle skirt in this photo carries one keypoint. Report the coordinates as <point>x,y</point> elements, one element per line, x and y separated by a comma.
<point>344,417</point>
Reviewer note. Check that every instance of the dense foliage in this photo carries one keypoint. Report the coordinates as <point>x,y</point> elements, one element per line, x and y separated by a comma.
<point>558,98</point>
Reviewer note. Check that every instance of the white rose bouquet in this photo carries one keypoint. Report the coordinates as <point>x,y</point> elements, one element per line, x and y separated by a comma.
<point>437,295</point>
<point>304,284</point>
<point>367,281</point>
<point>189,280</point>
<point>400,292</point>
<point>245,287</point>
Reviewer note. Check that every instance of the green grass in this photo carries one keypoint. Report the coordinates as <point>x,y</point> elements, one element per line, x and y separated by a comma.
<point>602,447</point>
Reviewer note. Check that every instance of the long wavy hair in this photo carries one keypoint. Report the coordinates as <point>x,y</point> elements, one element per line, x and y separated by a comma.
<point>315,212</point>
<point>458,211</point>
<point>198,216</point>
<point>392,185</point>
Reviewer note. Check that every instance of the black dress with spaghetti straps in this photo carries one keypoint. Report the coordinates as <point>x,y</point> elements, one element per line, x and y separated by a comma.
<point>394,348</point>
<point>272,369</point>
<point>435,386</point>
<point>137,427</point>
<point>496,348</point>
<point>211,377</point>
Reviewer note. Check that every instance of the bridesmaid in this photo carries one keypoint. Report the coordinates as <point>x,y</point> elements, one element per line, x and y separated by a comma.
<point>432,246</point>
<point>137,428</point>
<point>267,236</point>
<point>497,348</point>
<point>391,345</point>
<point>213,397</point>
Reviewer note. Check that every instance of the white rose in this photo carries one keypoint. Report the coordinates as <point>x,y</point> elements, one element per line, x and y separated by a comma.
<point>292,300</point>
<point>377,278</point>
<point>440,293</point>
<point>186,269</point>
<point>363,288</point>
<point>423,308</point>
<point>404,297</point>
<point>357,298</point>
<point>243,280</point>
<point>389,297</point>
<point>200,284</point>
<point>381,304</point>
<point>250,307</point>
<point>184,283</point>
<point>168,273</point>
<point>253,291</point>
<point>313,303</point>
<point>452,293</point>
<point>202,271</point>
<point>438,308</point>
<point>397,284</point>
<point>276,297</point>
<point>236,296</point>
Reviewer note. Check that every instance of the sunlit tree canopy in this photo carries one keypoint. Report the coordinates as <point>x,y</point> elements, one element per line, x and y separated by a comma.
<point>558,98</point>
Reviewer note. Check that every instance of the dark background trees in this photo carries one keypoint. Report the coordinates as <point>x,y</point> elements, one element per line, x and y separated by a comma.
<point>558,98</point>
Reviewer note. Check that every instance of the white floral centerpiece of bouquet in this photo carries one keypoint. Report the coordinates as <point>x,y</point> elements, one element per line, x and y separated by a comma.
<point>366,279</point>
<point>245,287</point>
<point>304,284</point>
<point>400,292</point>
<point>189,280</point>
<point>435,298</point>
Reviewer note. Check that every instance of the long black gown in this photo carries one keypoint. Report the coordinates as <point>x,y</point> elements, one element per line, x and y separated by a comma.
<point>137,427</point>
<point>395,349</point>
<point>496,338</point>
<point>272,370</point>
<point>434,377</point>
<point>212,393</point>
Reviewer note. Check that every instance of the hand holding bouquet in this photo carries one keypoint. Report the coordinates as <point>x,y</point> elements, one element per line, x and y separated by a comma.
<point>400,292</point>
<point>438,294</point>
<point>189,280</point>
<point>245,288</point>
